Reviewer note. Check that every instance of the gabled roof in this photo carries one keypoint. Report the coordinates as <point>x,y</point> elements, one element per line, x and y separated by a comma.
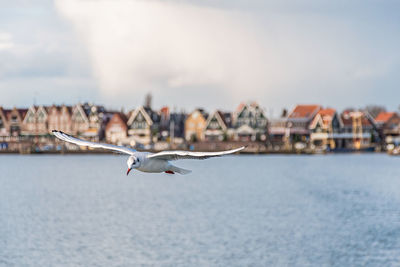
<point>200,111</point>
<point>22,112</point>
<point>304,111</point>
<point>3,115</point>
<point>80,109</point>
<point>142,110</point>
<point>384,117</point>
<point>119,116</point>
<point>221,118</point>
<point>325,116</point>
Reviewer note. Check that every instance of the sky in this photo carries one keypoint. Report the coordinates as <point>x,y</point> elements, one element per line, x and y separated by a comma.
<point>211,54</point>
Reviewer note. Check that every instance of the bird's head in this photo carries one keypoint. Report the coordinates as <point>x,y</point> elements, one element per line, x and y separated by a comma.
<point>133,162</point>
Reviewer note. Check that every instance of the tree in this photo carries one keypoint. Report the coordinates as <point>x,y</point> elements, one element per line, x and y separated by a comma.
<point>374,110</point>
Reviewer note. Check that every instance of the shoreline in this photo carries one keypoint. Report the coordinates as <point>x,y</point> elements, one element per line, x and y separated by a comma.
<point>105,152</point>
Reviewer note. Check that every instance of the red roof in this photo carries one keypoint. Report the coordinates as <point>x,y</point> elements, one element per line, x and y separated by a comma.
<point>384,116</point>
<point>326,115</point>
<point>327,112</point>
<point>164,111</point>
<point>304,111</point>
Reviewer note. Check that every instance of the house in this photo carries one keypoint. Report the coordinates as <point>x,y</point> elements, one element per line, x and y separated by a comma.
<point>97,118</point>
<point>116,129</point>
<point>359,130</point>
<point>15,119</point>
<point>171,126</point>
<point>35,121</point>
<point>89,120</point>
<point>177,127</point>
<point>250,123</point>
<point>164,126</point>
<point>195,124</point>
<point>388,125</point>
<point>298,122</point>
<point>277,132</point>
<point>326,130</point>
<point>218,126</point>
<point>79,120</point>
<point>143,124</point>
<point>59,118</point>
<point>4,125</point>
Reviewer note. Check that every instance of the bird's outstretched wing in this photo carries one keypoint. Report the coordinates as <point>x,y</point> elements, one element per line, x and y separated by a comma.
<point>68,138</point>
<point>174,155</point>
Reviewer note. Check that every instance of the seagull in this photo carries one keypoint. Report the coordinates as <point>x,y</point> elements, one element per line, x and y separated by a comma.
<point>146,161</point>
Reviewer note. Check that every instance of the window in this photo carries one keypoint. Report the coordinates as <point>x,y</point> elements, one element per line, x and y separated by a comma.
<point>31,117</point>
<point>14,119</point>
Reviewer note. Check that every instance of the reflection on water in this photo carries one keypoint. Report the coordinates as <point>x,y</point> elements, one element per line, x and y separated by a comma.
<point>339,210</point>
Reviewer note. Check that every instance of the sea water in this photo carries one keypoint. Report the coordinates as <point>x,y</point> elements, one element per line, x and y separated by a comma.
<point>82,210</point>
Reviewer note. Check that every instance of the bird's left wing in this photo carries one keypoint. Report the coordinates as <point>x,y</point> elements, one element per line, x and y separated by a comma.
<point>68,138</point>
<point>174,155</point>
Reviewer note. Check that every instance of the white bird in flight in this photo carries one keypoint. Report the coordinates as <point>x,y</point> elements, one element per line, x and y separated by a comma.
<point>146,161</point>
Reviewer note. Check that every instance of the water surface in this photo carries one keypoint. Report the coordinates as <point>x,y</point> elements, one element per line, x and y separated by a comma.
<point>82,210</point>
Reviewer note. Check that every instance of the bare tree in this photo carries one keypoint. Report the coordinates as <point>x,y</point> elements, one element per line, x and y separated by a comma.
<point>374,110</point>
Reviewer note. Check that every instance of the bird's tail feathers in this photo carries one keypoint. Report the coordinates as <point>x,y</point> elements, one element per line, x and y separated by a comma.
<point>180,170</point>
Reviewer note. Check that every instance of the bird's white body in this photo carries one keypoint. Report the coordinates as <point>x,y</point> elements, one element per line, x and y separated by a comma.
<point>145,161</point>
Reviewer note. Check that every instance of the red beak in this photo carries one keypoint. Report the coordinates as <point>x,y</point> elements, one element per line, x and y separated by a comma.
<point>128,171</point>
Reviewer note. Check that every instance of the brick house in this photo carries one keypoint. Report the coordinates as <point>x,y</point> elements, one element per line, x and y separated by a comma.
<point>116,129</point>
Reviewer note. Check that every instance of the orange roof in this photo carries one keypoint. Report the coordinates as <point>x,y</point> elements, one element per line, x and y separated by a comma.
<point>164,110</point>
<point>384,116</point>
<point>304,111</point>
<point>327,112</point>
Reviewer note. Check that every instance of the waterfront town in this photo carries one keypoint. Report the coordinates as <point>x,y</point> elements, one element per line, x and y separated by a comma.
<point>304,129</point>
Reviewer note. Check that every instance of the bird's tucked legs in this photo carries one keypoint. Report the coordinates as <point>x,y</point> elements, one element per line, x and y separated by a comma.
<point>170,172</point>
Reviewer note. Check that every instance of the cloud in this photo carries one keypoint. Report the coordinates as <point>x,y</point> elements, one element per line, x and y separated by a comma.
<point>276,54</point>
<point>6,41</point>
<point>151,45</point>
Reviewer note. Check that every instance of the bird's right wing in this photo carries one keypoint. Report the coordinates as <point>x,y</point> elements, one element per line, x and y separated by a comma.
<point>68,138</point>
<point>174,155</point>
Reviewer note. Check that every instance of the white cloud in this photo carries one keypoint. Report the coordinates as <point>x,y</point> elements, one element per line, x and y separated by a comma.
<point>6,41</point>
<point>197,51</point>
<point>150,45</point>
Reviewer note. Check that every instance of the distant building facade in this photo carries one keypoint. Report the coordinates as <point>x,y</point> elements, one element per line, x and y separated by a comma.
<point>218,126</point>
<point>116,129</point>
<point>326,130</point>
<point>142,124</point>
<point>195,124</point>
<point>250,123</point>
<point>359,130</point>
<point>388,125</point>
<point>298,122</point>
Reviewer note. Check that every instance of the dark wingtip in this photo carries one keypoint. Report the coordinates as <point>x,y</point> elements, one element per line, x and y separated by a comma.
<point>54,131</point>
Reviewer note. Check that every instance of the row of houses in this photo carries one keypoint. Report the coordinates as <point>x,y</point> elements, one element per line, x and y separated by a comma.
<point>306,126</point>
<point>326,129</point>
